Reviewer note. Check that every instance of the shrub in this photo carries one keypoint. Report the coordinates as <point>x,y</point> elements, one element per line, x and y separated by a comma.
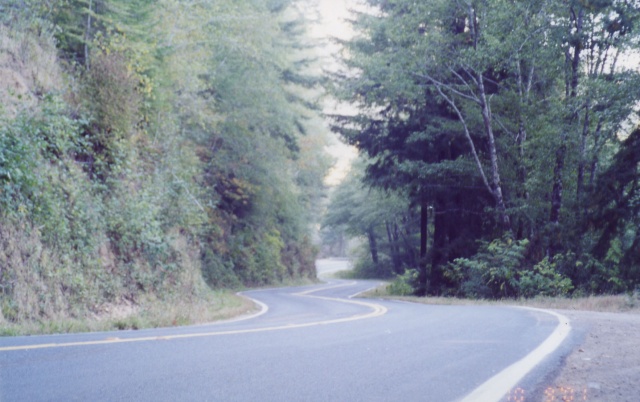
<point>405,284</point>
<point>113,103</point>
<point>590,275</point>
<point>111,90</point>
<point>543,280</point>
<point>493,272</point>
<point>300,258</point>
<point>498,271</point>
<point>18,159</point>
<point>365,268</point>
<point>217,272</point>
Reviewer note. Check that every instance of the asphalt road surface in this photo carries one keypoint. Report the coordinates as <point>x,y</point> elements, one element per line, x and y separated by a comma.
<point>309,344</point>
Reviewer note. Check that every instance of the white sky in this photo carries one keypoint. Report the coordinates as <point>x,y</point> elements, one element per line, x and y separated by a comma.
<point>331,24</point>
<point>332,16</point>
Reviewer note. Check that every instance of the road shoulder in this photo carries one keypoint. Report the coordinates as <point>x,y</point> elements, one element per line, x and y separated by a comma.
<point>606,365</point>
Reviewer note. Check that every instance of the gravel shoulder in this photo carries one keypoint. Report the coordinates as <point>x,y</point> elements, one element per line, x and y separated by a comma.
<point>606,365</point>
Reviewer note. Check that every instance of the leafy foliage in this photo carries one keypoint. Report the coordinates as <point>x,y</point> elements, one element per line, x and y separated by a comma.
<point>178,150</point>
<point>497,271</point>
<point>544,280</point>
<point>405,284</point>
<point>514,121</point>
<point>492,272</point>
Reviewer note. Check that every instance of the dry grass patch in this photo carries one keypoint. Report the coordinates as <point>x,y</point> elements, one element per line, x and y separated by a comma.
<point>610,303</point>
<point>150,313</point>
<point>28,66</point>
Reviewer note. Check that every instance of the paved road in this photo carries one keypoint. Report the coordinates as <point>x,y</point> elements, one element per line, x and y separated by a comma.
<point>311,344</point>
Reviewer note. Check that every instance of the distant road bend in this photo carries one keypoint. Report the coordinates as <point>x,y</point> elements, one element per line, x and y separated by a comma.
<point>314,343</point>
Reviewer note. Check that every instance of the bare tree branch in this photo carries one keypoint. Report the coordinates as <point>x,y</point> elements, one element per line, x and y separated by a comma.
<point>468,135</point>
<point>465,83</point>
<point>439,84</point>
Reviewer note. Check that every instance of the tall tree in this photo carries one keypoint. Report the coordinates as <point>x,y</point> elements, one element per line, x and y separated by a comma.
<point>515,104</point>
<point>593,37</point>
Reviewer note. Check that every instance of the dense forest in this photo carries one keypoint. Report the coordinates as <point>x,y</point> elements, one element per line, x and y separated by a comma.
<point>500,146</point>
<point>158,149</point>
<point>154,147</point>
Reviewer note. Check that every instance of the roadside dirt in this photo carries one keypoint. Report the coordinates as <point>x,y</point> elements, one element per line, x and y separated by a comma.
<point>606,366</point>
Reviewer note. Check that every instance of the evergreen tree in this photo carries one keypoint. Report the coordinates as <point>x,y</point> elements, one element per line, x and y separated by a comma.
<point>504,113</point>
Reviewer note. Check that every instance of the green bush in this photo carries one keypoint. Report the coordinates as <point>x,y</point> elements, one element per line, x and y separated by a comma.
<point>590,275</point>
<point>18,160</point>
<point>498,270</point>
<point>365,268</point>
<point>492,273</point>
<point>543,280</point>
<point>405,284</point>
<point>300,258</point>
<point>217,272</point>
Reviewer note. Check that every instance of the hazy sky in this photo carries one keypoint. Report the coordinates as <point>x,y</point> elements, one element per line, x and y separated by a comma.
<point>331,24</point>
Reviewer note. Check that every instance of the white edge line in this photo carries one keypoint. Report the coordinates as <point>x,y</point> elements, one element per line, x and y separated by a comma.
<point>243,317</point>
<point>364,291</point>
<point>499,385</point>
<point>263,307</point>
<point>263,310</point>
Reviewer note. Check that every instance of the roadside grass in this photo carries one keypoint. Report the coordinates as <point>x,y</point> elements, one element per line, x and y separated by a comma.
<point>351,274</point>
<point>625,303</point>
<point>346,274</point>
<point>150,313</point>
<point>207,307</point>
<point>289,283</point>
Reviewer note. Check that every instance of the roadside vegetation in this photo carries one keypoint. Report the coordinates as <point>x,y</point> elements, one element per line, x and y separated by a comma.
<point>624,303</point>
<point>499,148</point>
<point>153,152</point>
<point>147,312</point>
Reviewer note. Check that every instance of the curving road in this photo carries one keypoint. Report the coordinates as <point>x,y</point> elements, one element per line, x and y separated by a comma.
<point>308,344</point>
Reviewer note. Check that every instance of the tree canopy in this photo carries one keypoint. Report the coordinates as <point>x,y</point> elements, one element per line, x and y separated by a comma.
<point>501,118</point>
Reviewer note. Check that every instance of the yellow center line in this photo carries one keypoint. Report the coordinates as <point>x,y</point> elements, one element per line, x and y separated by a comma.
<point>377,310</point>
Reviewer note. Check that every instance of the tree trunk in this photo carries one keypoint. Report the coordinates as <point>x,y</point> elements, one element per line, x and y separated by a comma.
<point>87,35</point>
<point>583,159</point>
<point>396,242</point>
<point>496,185</point>
<point>410,250</point>
<point>424,233</point>
<point>558,184</point>
<point>594,161</point>
<point>575,63</point>
<point>524,92</point>
<point>341,246</point>
<point>393,248</point>
<point>373,246</point>
<point>558,171</point>
<point>556,199</point>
